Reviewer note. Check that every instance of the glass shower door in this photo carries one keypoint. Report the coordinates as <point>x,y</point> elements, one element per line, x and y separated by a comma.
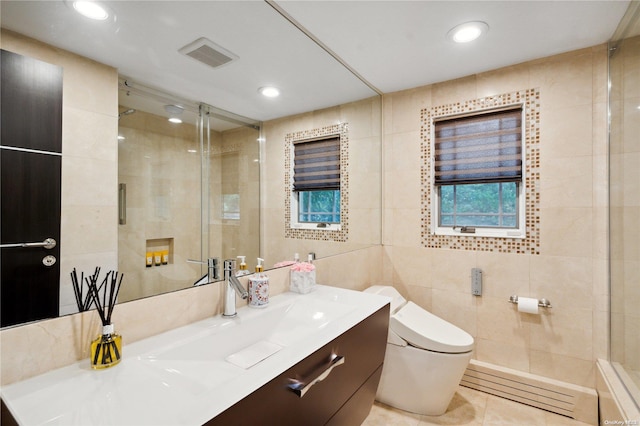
<point>232,167</point>
<point>624,205</point>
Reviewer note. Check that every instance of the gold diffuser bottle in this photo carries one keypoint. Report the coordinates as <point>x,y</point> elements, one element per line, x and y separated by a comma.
<point>106,349</point>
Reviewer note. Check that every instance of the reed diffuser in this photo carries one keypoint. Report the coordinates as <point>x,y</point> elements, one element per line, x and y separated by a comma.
<point>106,349</point>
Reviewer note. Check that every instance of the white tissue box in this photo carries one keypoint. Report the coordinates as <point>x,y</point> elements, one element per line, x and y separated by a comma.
<point>302,282</point>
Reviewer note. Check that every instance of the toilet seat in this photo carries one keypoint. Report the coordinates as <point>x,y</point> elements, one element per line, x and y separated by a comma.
<point>409,323</point>
<point>424,330</point>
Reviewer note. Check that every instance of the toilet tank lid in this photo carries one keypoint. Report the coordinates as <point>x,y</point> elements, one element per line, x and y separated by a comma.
<point>424,330</point>
<point>397,301</point>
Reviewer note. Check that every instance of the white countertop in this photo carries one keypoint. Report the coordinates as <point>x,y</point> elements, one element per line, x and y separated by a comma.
<point>181,377</point>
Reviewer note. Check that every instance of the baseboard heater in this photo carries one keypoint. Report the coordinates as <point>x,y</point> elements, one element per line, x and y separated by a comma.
<point>578,402</point>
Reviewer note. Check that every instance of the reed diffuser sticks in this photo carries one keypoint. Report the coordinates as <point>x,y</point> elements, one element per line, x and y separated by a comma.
<point>109,288</point>
<point>84,301</point>
<point>106,349</point>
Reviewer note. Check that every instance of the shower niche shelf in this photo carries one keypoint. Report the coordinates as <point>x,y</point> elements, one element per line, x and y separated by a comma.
<point>161,250</point>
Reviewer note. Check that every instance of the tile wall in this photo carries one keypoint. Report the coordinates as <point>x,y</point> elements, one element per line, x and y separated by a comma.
<point>570,265</point>
<point>235,169</point>
<point>363,165</point>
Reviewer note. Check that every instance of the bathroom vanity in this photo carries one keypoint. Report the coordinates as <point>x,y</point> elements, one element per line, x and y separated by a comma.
<point>305,359</point>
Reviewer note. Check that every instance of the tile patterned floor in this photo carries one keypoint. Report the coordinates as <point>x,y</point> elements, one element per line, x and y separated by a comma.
<point>474,408</point>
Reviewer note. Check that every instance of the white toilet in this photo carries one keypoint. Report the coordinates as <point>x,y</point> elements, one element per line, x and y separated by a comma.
<point>425,359</point>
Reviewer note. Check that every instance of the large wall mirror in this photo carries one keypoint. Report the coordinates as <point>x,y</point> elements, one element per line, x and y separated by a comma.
<point>214,185</point>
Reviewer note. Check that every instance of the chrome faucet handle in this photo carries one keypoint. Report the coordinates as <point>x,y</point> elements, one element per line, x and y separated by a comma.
<point>212,267</point>
<point>229,265</point>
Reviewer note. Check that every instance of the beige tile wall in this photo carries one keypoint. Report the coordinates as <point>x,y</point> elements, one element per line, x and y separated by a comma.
<point>89,160</point>
<point>235,162</point>
<point>563,342</point>
<point>363,119</point>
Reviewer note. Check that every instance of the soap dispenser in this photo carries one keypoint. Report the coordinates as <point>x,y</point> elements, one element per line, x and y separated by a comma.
<point>242,269</point>
<point>259,287</point>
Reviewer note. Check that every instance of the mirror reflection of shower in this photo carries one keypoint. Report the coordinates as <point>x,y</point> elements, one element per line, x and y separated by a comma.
<point>174,159</point>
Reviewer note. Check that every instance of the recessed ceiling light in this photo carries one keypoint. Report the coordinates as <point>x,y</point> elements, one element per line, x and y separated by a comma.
<point>467,32</point>
<point>269,91</point>
<point>121,138</point>
<point>91,10</point>
<point>175,120</point>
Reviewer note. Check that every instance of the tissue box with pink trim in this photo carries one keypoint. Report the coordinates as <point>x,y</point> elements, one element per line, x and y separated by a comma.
<point>303,277</point>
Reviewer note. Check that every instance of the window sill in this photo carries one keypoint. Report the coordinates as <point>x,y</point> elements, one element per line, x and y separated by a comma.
<point>481,232</point>
<point>314,226</point>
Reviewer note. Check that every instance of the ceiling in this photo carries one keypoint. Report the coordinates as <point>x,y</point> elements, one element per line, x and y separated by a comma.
<point>391,45</point>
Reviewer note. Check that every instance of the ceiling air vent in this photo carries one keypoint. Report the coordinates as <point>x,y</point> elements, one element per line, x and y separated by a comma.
<point>208,53</point>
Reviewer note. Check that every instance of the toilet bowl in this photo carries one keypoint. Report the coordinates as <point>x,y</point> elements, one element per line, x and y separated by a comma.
<point>425,359</point>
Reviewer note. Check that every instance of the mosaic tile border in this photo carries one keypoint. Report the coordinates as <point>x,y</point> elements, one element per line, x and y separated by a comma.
<point>342,235</point>
<point>530,99</point>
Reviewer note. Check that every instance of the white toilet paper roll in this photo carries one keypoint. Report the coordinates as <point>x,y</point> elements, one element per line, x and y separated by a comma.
<point>528,305</point>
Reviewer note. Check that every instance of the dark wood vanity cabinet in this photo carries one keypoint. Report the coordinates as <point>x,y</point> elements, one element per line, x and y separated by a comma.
<point>344,397</point>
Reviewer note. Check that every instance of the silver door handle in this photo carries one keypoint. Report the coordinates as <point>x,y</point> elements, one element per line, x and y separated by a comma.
<point>49,243</point>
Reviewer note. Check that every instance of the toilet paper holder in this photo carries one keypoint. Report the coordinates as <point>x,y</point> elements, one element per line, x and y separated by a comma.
<point>545,303</point>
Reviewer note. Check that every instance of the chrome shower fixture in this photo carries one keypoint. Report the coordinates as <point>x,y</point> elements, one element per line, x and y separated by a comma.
<point>127,112</point>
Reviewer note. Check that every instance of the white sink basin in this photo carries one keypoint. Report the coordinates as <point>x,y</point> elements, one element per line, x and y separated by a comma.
<point>183,376</point>
<point>182,354</point>
<point>285,322</point>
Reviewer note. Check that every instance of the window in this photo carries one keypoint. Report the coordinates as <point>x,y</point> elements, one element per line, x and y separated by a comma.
<point>231,206</point>
<point>319,206</point>
<point>478,174</point>
<point>316,183</point>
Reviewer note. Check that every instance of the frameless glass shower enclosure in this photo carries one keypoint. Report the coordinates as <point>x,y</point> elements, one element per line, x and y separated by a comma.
<point>624,200</point>
<point>188,186</point>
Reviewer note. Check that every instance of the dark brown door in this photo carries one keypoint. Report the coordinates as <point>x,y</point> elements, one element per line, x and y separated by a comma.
<point>30,188</point>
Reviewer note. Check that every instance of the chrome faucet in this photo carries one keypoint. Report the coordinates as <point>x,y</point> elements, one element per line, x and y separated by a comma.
<point>232,284</point>
<point>212,270</point>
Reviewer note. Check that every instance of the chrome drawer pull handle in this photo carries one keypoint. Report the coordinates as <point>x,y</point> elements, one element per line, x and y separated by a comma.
<point>300,387</point>
<point>49,243</point>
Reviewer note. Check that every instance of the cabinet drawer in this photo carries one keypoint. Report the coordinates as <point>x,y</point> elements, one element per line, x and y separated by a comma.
<point>363,348</point>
